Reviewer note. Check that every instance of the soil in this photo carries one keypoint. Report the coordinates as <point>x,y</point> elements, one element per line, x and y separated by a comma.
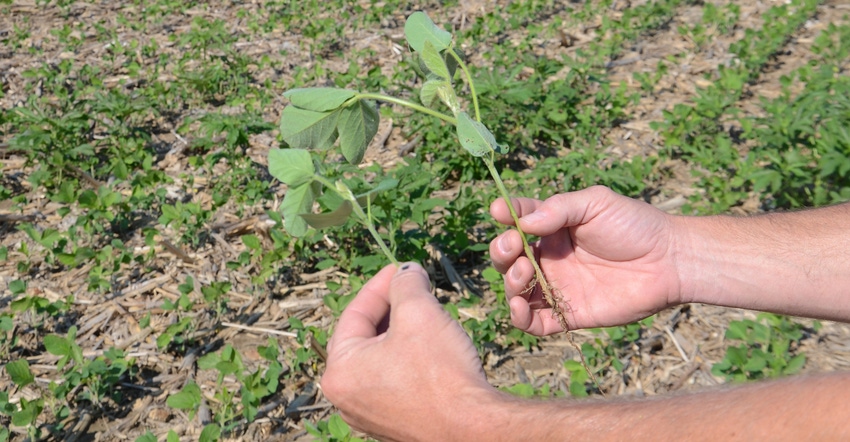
<point>674,354</point>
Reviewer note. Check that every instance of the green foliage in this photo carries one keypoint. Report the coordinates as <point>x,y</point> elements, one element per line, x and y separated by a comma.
<point>526,390</point>
<point>188,398</point>
<point>602,355</point>
<point>768,348</point>
<point>254,385</point>
<point>334,429</point>
<point>158,142</point>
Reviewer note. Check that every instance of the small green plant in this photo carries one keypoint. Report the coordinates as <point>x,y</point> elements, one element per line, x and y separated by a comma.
<point>189,398</point>
<point>308,337</point>
<point>179,332</point>
<point>254,385</point>
<point>26,413</point>
<point>527,390</point>
<point>317,117</point>
<point>768,348</point>
<point>334,429</point>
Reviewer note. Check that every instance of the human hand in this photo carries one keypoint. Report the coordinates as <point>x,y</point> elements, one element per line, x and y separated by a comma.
<point>399,367</point>
<point>608,256</point>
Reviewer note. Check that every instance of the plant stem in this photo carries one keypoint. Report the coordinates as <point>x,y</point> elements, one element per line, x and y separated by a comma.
<point>367,221</point>
<point>551,297</point>
<point>408,104</point>
<point>364,219</point>
<point>469,82</point>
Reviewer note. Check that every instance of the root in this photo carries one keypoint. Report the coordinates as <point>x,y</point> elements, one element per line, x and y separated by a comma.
<point>553,297</point>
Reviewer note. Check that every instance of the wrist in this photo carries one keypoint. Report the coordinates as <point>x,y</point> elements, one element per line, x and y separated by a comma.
<point>686,261</point>
<point>701,257</point>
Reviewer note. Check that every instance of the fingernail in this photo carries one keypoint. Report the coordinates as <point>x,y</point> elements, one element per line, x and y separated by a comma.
<point>411,267</point>
<point>534,217</point>
<point>515,272</point>
<point>504,244</point>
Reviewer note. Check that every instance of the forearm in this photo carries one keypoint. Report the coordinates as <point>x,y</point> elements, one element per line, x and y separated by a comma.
<point>791,263</point>
<point>801,408</point>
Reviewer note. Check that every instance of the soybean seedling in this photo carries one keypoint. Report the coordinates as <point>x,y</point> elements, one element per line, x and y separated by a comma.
<point>317,117</point>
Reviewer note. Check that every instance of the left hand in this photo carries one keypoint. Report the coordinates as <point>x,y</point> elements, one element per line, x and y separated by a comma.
<point>399,367</point>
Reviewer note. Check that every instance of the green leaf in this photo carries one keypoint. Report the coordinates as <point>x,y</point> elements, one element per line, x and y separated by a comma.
<point>6,323</point>
<point>737,330</point>
<point>337,217</point>
<point>306,129</point>
<point>172,436</point>
<point>795,364</point>
<point>298,200</point>
<point>357,125</point>
<point>319,99</point>
<point>19,372</point>
<point>756,363</point>
<point>28,414</point>
<point>449,97</point>
<point>210,433</point>
<point>387,184</point>
<point>186,399</point>
<point>18,286</point>
<point>577,389</point>
<point>474,136</point>
<point>57,345</point>
<point>209,361</point>
<point>88,199</point>
<point>419,28</point>
<point>338,428</point>
<point>164,339</point>
<point>252,242</point>
<point>434,61</point>
<point>428,93</point>
<point>147,437</point>
<point>292,167</point>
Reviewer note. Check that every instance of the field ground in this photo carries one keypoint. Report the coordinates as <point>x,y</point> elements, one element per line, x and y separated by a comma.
<point>137,212</point>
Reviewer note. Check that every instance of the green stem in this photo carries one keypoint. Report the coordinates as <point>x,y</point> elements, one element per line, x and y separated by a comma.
<point>547,292</point>
<point>469,82</point>
<point>408,104</point>
<point>364,219</point>
<point>367,221</point>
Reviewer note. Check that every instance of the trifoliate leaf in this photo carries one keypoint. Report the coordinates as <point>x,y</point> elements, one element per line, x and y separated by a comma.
<point>357,125</point>
<point>318,99</point>
<point>336,217</point>
<point>474,136</point>
<point>419,28</point>
<point>306,129</point>
<point>292,167</point>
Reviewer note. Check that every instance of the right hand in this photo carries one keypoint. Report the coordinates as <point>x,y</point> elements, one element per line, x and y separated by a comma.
<point>609,257</point>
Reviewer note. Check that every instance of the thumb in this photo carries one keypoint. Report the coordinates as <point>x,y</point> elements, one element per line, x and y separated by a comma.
<point>410,290</point>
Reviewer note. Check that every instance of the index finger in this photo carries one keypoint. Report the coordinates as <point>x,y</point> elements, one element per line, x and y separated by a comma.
<point>523,206</point>
<point>361,318</point>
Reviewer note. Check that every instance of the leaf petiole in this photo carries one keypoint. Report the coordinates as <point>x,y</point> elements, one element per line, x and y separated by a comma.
<point>405,103</point>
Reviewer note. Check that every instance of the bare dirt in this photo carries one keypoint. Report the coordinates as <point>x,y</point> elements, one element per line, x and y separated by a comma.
<point>674,354</point>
